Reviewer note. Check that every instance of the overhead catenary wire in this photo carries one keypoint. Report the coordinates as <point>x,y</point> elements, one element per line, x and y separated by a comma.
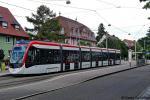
<point>108,3</point>
<point>139,31</point>
<point>17,6</point>
<point>36,1</point>
<point>92,10</point>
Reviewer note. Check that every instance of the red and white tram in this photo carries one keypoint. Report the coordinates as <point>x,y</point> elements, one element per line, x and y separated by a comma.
<point>37,57</point>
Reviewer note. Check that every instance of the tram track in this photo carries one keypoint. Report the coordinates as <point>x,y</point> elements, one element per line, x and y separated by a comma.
<point>9,80</point>
<point>17,81</point>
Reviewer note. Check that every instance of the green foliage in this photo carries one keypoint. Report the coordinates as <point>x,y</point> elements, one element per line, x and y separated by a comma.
<point>46,25</point>
<point>147,5</point>
<point>84,43</point>
<point>113,42</point>
<point>31,36</point>
<point>145,43</point>
<point>42,15</point>
<point>148,32</point>
<point>101,32</point>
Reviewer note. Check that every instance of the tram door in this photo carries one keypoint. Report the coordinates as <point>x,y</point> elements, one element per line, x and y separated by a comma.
<point>76,59</point>
<point>70,59</point>
<point>96,63</point>
<point>76,65</point>
<point>67,66</point>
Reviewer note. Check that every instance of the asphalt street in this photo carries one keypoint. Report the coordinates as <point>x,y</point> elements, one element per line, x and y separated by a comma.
<point>125,85</point>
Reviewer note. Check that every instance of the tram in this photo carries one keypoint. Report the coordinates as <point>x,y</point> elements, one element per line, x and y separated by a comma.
<point>39,57</point>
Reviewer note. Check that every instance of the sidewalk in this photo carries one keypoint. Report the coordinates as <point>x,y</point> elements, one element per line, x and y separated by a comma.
<point>6,72</point>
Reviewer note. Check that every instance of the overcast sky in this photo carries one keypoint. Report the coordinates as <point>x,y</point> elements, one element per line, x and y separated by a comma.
<point>125,16</point>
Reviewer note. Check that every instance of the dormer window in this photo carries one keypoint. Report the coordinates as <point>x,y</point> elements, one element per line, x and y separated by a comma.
<point>4,24</point>
<point>17,27</point>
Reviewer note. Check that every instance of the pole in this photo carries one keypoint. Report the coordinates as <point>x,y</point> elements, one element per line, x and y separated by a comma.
<point>106,42</point>
<point>70,38</point>
<point>130,56</point>
<point>135,53</point>
<point>144,45</point>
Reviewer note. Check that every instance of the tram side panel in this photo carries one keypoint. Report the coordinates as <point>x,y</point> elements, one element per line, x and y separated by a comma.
<point>111,57</point>
<point>42,59</point>
<point>85,58</point>
<point>105,57</point>
<point>118,58</point>
<point>96,58</point>
<point>71,58</point>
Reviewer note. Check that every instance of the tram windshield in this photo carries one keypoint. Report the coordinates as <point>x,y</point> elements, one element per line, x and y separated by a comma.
<point>17,54</point>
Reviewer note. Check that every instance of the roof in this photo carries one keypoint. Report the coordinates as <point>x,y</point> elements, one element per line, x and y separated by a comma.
<point>69,23</point>
<point>5,15</point>
<point>129,43</point>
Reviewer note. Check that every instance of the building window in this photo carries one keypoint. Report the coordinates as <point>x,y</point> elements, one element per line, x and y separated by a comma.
<point>4,24</point>
<point>17,27</point>
<point>76,30</point>
<point>7,39</point>
<point>62,31</point>
<point>72,30</point>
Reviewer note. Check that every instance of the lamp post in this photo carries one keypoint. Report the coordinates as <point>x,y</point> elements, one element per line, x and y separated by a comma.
<point>135,51</point>
<point>68,2</point>
<point>107,38</point>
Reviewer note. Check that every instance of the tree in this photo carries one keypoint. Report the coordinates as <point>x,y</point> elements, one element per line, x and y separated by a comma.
<point>147,5</point>
<point>148,32</point>
<point>46,25</point>
<point>101,32</point>
<point>42,15</point>
<point>31,36</point>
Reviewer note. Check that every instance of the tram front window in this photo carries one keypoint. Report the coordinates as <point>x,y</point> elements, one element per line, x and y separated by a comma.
<point>17,55</point>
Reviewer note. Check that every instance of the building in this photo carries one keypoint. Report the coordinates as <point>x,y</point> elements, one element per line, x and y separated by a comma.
<point>10,31</point>
<point>129,43</point>
<point>77,33</point>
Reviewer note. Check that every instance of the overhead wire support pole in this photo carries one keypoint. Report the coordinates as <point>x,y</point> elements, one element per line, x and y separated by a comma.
<point>106,42</point>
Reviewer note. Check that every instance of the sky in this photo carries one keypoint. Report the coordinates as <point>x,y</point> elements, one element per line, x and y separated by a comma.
<point>125,16</point>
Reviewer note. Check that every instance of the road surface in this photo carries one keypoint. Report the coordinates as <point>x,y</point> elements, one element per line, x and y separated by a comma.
<point>125,85</point>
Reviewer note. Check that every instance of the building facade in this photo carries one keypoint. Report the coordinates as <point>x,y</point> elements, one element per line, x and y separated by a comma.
<point>76,33</point>
<point>129,43</point>
<point>10,31</point>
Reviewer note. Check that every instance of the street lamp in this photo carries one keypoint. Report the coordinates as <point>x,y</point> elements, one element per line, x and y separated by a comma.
<point>68,2</point>
<point>135,50</point>
<point>107,38</point>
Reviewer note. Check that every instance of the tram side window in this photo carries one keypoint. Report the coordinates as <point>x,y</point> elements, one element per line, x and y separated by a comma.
<point>111,55</point>
<point>30,60</point>
<point>85,56</point>
<point>100,56</point>
<point>38,56</point>
<point>105,56</point>
<point>96,56</point>
<point>50,56</point>
<point>117,56</point>
<point>70,56</point>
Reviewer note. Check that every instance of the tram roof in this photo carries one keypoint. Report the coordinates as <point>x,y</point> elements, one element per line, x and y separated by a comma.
<point>68,45</point>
